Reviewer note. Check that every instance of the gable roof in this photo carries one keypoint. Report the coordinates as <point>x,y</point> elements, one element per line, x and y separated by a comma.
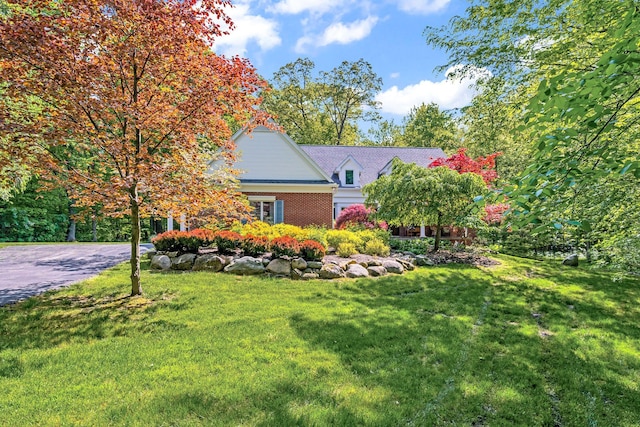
<point>269,156</point>
<point>373,159</point>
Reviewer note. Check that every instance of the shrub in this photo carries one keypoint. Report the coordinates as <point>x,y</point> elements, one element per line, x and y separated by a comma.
<point>312,250</point>
<point>227,241</point>
<point>255,245</point>
<point>376,247</point>
<point>285,246</point>
<point>345,249</point>
<point>417,246</point>
<point>336,237</point>
<point>358,216</point>
<point>183,241</point>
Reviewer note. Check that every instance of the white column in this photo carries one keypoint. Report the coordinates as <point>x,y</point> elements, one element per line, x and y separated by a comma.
<point>422,231</point>
<point>183,222</point>
<point>169,223</point>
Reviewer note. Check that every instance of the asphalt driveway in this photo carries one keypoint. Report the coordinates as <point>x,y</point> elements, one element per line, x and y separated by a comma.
<point>32,269</point>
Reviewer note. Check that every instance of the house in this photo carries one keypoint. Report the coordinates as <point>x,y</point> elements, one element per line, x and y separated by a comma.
<point>310,184</point>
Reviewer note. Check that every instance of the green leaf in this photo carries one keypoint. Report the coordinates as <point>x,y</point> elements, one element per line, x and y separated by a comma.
<point>557,226</point>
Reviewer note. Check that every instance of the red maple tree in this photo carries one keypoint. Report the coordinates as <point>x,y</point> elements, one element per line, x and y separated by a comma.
<point>483,166</point>
<point>125,104</point>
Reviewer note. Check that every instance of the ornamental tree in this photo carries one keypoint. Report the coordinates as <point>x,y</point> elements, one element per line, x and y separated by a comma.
<point>460,162</point>
<point>358,215</point>
<point>132,89</point>
<point>412,195</point>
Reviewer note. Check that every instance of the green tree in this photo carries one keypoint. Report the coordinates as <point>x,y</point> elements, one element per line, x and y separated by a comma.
<point>324,109</point>
<point>413,195</point>
<point>428,126</point>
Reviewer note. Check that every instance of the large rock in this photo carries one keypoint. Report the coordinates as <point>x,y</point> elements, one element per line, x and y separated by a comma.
<point>183,262</point>
<point>299,263</point>
<point>423,261</point>
<point>377,271</point>
<point>316,265</point>
<point>310,276</point>
<point>355,271</point>
<point>280,267</point>
<point>407,263</point>
<point>160,262</point>
<point>245,266</point>
<point>393,266</point>
<point>331,271</point>
<point>345,264</point>
<point>571,260</point>
<point>209,262</point>
<point>296,274</point>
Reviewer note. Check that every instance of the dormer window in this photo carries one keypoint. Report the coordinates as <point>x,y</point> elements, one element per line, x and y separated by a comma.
<point>348,177</point>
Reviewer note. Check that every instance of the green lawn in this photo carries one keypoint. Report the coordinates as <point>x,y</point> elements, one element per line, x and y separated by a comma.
<point>525,343</point>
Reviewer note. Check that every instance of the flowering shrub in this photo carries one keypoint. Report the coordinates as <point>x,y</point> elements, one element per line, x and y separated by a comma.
<point>183,241</point>
<point>493,213</point>
<point>312,250</point>
<point>255,245</point>
<point>358,216</point>
<point>227,241</point>
<point>285,245</point>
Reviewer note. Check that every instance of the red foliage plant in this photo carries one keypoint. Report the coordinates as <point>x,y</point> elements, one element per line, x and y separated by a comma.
<point>285,245</point>
<point>483,166</point>
<point>182,241</point>
<point>493,213</point>
<point>312,250</point>
<point>255,245</point>
<point>358,215</point>
<point>227,241</point>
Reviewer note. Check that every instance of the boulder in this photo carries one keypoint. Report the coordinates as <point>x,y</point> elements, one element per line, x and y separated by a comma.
<point>356,270</point>
<point>245,266</point>
<point>310,276</point>
<point>374,263</point>
<point>280,267</point>
<point>296,274</point>
<point>160,262</point>
<point>209,262</point>
<point>423,261</point>
<point>393,266</point>
<point>377,271</point>
<point>183,262</point>
<point>407,263</point>
<point>331,271</point>
<point>299,263</point>
<point>316,265</point>
<point>151,253</point>
<point>571,260</point>
<point>345,264</point>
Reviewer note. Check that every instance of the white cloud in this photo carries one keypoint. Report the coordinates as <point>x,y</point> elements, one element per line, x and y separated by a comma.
<point>248,28</point>
<point>294,7</point>
<point>346,33</point>
<point>422,6</point>
<point>339,33</point>
<point>448,93</point>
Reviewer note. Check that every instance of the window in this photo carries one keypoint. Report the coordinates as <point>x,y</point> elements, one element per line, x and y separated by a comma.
<point>348,175</point>
<point>267,209</point>
<point>263,211</point>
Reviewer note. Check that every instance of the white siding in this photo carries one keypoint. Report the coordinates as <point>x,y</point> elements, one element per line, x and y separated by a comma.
<point>268,155</point>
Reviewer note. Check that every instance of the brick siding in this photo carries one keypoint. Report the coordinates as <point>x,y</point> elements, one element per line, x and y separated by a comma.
<point>303,209</point>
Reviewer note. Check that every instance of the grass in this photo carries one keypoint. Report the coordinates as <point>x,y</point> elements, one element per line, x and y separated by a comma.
<point>526,343</point>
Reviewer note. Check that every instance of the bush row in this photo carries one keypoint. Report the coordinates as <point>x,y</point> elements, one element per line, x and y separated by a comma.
<point>281,239</point>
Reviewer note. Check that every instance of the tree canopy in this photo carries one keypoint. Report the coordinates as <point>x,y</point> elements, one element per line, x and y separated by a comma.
<point>132,88</point>
<point>324,108</point>
<point>412,195</point>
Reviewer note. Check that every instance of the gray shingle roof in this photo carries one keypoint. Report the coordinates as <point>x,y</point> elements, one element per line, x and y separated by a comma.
<point>373,159</point>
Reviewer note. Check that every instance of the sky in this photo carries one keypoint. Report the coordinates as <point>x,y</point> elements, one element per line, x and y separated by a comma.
<point>386,33</point>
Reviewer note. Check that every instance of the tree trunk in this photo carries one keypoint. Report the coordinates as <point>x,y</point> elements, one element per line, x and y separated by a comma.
<point>71,232</point>
<point>94,229</point>
<point>136,289</point>
<point>436,245</point>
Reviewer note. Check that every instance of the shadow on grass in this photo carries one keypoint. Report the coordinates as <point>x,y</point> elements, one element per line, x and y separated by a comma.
<point>52,319</point>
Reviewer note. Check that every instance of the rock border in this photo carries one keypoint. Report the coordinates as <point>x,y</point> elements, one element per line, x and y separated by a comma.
<point>331,266</point>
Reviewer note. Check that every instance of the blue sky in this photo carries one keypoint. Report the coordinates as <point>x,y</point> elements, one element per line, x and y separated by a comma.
<point>386,33</point>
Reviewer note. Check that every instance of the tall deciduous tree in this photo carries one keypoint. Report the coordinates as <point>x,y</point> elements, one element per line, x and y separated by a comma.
<point>427,126</point>
<point>412,195</point>
<point>133,87</point>
<point>324,109</point>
